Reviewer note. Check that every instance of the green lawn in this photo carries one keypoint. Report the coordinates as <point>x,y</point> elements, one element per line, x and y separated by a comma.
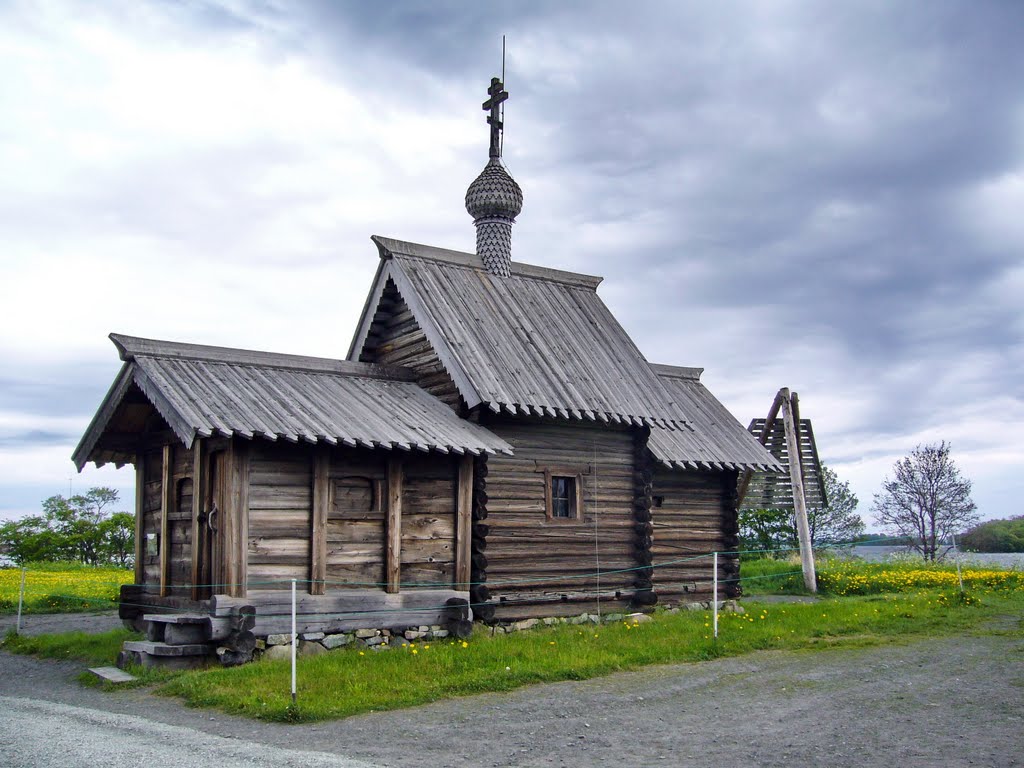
<point>62,587</point>
<point>917,600</point>
<point>348,682</point>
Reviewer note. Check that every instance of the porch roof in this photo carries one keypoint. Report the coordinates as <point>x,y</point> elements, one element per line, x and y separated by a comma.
<point>203,391</point>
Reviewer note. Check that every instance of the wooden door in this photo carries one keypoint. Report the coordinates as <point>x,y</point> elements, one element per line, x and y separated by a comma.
<point>211,519</point>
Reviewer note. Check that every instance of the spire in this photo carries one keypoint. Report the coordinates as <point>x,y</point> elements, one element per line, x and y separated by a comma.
<point>494,199</point>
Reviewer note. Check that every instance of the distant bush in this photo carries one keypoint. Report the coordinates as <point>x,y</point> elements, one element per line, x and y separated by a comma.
<point>996,536</point>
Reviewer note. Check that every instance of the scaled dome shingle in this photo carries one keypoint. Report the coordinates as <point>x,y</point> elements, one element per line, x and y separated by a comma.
<point>494,193</point>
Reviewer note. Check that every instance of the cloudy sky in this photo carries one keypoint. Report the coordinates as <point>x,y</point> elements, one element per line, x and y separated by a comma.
<point>825,196</point>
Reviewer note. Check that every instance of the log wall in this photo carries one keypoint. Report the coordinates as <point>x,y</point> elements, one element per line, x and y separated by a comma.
<point>396,338</point>
<point>428,522</point>
<point>280,509</point>
<point>693,514</point>
<point>537,566</point>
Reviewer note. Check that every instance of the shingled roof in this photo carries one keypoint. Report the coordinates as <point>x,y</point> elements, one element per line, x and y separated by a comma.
<point>539,342</point>
<point>202,391</point>
<point>715,439</point>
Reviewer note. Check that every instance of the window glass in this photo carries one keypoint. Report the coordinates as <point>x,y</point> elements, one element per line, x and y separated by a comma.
<point>563,496</point>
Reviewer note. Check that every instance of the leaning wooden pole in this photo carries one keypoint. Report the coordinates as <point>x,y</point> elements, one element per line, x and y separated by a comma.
<point>796,478</point>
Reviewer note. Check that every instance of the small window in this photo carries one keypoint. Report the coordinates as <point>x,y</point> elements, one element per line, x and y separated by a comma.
<point>659,500</point>
<point>563,497</point>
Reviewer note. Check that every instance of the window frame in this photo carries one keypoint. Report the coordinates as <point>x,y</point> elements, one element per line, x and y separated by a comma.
<point>576,511</point>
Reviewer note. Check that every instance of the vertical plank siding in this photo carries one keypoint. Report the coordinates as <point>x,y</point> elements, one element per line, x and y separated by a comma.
<point>536,566</point>
<point>697,516</point>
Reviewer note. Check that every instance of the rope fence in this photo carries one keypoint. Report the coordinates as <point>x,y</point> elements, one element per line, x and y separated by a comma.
<point>30,594</point>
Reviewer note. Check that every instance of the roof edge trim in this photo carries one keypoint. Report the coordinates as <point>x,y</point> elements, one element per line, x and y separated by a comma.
<point>131,347</point>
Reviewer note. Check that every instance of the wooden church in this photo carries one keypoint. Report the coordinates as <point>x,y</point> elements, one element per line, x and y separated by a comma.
<point>493,436</point>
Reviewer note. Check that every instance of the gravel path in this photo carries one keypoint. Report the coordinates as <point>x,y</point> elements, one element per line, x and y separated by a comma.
<point>950,701</point>
<point>44,623</point>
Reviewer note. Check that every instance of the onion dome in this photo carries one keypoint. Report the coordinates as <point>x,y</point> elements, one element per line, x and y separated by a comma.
<point>494,194</point>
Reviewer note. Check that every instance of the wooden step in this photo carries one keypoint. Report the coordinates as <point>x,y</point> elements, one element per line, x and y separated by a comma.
<point>147,653</point>
<point>177,628</point>
<point>112,675</point>
<point>177,618</point>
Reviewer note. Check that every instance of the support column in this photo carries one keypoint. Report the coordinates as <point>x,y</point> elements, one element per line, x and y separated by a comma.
<point>321,509</point>
<point>236,520</point>
<point>464,523</point>
<point>393,556</point>
<point>166,503</point>
<point>199,493</point>
<point>140,499</point>
<point>796,478</point>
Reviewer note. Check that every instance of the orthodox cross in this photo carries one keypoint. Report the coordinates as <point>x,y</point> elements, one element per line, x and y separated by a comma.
<point>498,94</point>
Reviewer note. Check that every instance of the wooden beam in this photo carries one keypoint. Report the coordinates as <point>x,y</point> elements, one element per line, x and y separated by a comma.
<point>773,412</point>
<point>199,492</point>
<point>799,504</point>
<point>464,523</point>
<point>235,523</point>
<point>393,563</point>
<point>166,503</point>
<point>321,510</point>
<point>140,502</point>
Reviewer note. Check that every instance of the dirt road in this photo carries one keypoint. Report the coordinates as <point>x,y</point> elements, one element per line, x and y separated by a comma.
<point>951,701</point>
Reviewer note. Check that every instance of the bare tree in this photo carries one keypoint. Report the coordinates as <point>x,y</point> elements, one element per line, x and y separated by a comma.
<point>926,501</point>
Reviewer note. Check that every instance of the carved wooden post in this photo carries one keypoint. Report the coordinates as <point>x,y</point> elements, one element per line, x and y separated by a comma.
<point>166,502</point>
<point>393,565</point>
<point>199,494</point>
<point>464,523</point>
<point>140,510</point>
<point>321,502</point>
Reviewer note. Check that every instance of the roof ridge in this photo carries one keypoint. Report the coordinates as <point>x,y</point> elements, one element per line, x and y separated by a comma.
<point>131,347</point>
<point>389,248</point>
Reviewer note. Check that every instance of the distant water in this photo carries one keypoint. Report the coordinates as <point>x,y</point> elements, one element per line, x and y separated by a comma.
<point>1004,559</point>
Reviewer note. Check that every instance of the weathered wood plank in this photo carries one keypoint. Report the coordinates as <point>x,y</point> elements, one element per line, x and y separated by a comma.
<point>166,502</point>
<point>321,511</point>
<point>140,513</point>
<point>464,521</point>
<point>393,557</point>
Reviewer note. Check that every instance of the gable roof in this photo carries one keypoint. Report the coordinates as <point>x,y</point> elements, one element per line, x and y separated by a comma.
<point>540,342</point>
<point>202,391</point>
<point>715,439</point>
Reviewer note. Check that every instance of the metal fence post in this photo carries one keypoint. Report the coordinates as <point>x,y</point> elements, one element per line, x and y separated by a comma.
<point>714,602</point>
<point>295,641</point>
<point>21,600</point>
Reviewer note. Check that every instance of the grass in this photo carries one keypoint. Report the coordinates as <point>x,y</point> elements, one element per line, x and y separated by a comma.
<point>62,588</point>
<point>92,649</point>
<point>349,682</point>
<point>917,601</point>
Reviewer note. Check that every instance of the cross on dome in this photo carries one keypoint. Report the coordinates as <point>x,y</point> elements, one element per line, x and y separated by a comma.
<point>497,95</point>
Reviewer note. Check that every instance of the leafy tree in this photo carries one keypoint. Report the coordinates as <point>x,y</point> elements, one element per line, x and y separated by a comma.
<point>837,522</point>
<point>81,528</point>
<point>996,536</point>
<point>927,500</point>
